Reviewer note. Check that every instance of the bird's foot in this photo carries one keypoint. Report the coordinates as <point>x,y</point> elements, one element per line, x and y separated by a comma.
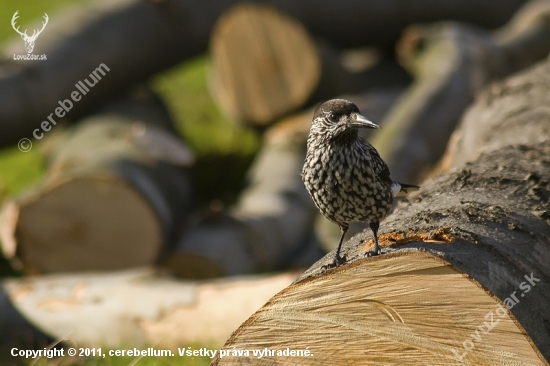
<point>373,253</point>
<point>338,260</point>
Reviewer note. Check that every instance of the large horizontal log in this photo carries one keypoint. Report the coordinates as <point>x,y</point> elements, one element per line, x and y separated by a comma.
<point>137,39</point>
<point>133,308</point>
<point>464,276</point>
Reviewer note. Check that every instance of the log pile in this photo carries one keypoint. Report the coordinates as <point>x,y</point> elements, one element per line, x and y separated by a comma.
<point>129,166</point>
<point>471,245</point>
<point>451,62</point>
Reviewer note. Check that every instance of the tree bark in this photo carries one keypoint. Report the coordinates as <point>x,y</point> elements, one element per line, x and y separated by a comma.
<point>471,245</point>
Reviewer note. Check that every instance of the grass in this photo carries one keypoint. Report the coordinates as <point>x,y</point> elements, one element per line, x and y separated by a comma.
<point>19,170</point>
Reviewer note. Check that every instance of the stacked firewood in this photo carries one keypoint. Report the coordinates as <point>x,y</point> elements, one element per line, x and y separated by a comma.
<point>118,192</point>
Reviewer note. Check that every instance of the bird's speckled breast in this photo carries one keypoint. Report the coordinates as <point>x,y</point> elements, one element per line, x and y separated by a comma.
<point>342,180</point>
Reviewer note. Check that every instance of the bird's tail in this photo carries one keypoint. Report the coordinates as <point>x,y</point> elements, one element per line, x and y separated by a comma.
<point>401,189</point>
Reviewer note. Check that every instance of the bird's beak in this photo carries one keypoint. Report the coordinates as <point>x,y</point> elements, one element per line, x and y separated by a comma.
<point>361,122</point>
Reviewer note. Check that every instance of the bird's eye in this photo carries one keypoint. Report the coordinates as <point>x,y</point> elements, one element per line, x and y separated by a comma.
<point>332,117</point>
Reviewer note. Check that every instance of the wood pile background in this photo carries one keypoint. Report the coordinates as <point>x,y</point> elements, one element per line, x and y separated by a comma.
<point>464,277</point>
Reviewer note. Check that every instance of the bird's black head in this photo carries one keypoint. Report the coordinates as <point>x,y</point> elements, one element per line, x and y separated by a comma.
<point>336,117</point>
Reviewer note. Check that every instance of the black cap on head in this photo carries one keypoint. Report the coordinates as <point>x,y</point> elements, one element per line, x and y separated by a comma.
<point>338,107</point>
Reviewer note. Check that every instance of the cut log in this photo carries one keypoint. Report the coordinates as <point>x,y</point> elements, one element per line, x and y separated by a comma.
<point>133,308</point>
<point>264,63</point>
<point>463,278</point>
<point>408,308</point>
<point>270,223</point>
<point>112,198</point>
<point>137,39</point>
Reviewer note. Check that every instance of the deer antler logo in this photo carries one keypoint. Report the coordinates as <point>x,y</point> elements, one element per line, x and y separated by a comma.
<point>29,40</point>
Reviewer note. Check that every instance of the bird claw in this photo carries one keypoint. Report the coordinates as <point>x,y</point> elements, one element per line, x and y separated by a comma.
<point>338,260</point>
<point>373,253</point>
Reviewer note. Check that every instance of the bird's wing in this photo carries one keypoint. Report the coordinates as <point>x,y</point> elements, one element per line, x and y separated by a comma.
<point>379,166</point>
<point>383,172</point>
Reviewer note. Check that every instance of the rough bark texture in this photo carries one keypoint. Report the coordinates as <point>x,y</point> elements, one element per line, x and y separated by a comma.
<point>489,220</point>
<point>140,38</point>
<point>500,201</point>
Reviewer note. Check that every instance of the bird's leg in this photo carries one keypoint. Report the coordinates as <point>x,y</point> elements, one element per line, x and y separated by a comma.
<point>374,227</point>
<point>337,258</point>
